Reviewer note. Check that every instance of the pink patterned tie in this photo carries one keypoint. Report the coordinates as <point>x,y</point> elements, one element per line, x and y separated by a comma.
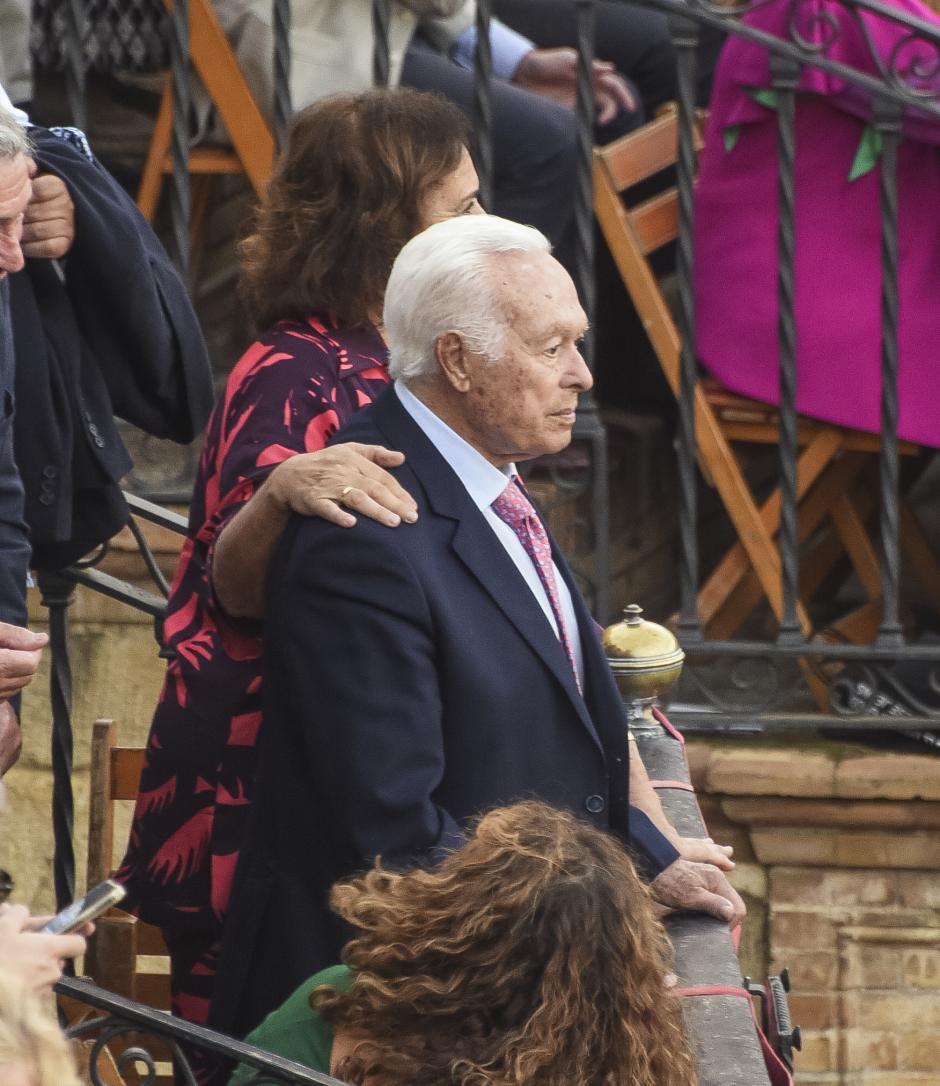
<point>515,509</point>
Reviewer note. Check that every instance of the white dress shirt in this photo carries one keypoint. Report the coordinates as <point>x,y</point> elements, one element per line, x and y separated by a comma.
<point>484,482</point>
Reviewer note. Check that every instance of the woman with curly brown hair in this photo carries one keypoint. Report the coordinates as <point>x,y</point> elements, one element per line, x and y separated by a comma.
<point>359,176</point>
<point>530,957</point>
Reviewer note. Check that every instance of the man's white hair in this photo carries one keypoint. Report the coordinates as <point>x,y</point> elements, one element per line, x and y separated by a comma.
<point>13,138</point>
<point>442,281</point>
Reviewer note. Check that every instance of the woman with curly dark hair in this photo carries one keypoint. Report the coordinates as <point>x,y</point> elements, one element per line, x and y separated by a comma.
<point>530,957</point>
<point>359,176</point>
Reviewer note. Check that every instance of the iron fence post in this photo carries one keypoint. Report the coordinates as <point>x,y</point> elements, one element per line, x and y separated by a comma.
<point>75,21</point>
<point>179,182</point>
<point>785,77</point>
<point>887,123</point>
<point>282,110</point>
<point>684,33</point>
<point>57,592</point>
<point>380,53</point>
<point>483,103</point>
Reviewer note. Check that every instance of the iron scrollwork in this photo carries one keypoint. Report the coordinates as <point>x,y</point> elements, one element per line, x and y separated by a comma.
<point>150,1030</point>
<point>910,69</point>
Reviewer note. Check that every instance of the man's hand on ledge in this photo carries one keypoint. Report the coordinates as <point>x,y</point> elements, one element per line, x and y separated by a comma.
<point>704,850</point>
<point>700,888</point>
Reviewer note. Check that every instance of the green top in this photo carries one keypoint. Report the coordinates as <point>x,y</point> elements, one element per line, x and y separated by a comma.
<point>295,1030</point>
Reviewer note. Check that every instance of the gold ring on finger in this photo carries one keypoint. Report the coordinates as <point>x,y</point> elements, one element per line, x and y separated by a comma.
<point>345,491</point>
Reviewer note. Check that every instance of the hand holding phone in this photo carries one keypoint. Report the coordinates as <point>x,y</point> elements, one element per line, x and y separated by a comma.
<point>97,901</point>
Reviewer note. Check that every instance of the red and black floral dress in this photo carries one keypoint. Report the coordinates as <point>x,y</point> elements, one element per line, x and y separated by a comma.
<point>289,393</point>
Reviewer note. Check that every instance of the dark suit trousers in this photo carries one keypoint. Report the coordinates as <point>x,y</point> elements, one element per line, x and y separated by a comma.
<point>635,39</point>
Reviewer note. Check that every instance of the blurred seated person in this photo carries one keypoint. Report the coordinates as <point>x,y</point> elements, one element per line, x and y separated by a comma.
<point>431,48</point>
<point>528,957</point>
<point>635,39</point>
<point>838,225</point>
<point>33,1051</point>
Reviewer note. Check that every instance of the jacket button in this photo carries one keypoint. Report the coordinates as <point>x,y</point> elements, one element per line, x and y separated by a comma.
<point>46,498</point>
<point>50,471</point>
<point>594,804</point>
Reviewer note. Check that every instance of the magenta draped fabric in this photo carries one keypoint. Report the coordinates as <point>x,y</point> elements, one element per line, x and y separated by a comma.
<point>838,271</point>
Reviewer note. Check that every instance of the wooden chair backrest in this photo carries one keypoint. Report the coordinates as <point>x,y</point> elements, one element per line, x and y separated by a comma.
<point>126,955</point>
<point>634,233</point>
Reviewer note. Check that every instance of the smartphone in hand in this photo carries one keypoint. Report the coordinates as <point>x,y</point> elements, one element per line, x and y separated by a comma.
<point>97,901</point>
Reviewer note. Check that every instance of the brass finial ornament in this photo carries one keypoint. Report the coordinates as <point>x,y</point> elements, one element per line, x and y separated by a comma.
<point>646,661</point>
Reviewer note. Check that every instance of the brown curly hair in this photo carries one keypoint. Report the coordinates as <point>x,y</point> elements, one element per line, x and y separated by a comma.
<point>530,957</point>
<point>344,198</point>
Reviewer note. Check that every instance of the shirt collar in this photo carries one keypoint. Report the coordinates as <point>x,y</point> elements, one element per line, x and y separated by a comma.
<point>484,481</point>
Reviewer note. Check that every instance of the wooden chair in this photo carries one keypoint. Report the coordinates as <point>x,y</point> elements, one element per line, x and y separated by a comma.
<point>252,150</point>
<point>834,470</point>
<point>125,955</point>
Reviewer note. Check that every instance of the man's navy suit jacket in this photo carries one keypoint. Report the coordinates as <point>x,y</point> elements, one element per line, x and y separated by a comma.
<point>411,681</point>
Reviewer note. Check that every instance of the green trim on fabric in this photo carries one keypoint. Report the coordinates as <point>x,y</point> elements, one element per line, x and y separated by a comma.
<point>869,151</point>
<point>763,96</point>
<point>731,133</point>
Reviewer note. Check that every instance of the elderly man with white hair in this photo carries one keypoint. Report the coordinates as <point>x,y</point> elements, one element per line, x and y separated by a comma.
<point>19,648</point>
<point>419,676</point>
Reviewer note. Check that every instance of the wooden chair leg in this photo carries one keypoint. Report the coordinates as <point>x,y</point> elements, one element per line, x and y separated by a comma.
<point>151,180</point>
<point>918,551</point>
<point>734,567</point>
<point>852,531</point>
<point>814,506</point>
<point>100,810</point>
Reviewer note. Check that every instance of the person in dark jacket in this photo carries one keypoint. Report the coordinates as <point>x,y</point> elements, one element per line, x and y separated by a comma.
<point>107,330</point>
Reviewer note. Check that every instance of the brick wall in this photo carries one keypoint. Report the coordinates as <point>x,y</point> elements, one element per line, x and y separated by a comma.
<point>838,856</point>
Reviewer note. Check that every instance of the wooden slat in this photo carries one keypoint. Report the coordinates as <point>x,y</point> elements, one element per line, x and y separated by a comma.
<point>213,160</point>
<point>126,766</point>
<point>100,811</point>
<point>153,989</point>
<point>655,222</point>
<point>112,953</point>
<point>643,153</point>
<point>150,940</point>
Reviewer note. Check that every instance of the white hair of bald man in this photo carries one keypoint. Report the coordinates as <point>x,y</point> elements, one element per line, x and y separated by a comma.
<point>442,281</point>
<point>13,138</point>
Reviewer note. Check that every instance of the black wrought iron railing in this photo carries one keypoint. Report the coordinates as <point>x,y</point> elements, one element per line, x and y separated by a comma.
<point>127,1035</point>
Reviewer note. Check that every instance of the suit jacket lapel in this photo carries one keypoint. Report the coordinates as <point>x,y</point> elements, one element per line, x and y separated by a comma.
<point>479,549</point>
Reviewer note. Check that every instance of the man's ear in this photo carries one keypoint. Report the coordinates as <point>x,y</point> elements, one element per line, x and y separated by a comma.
<point>452,356</point>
